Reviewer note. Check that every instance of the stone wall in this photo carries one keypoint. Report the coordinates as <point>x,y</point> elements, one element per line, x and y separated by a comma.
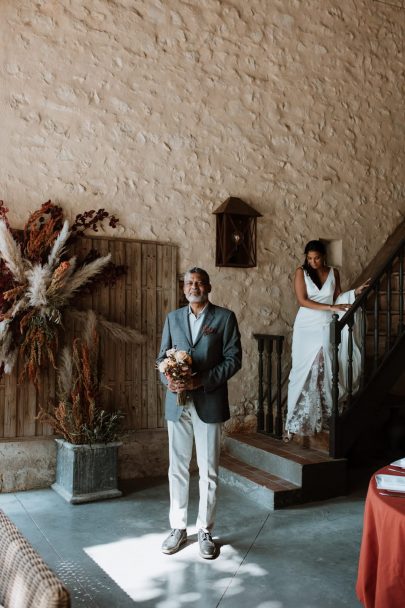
<point>25,465</point>
<point>159,110</point>
<point>31,464</point>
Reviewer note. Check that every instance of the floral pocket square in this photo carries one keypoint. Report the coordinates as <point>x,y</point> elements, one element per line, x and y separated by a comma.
<point>207,330</point>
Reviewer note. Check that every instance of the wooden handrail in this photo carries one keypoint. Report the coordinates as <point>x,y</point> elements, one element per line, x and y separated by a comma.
<point>377,357</point>
<point>363,296</point>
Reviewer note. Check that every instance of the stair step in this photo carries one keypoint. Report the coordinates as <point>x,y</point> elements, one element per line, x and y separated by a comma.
<point>283,459</point>
<point>382,340</point>
<point>395,275</point>
<point>394,312</point>
<point>395,401</point>
<point>284,473</point>
<point>381,332</point>
<point>264,488</point>
<point>395,321</point>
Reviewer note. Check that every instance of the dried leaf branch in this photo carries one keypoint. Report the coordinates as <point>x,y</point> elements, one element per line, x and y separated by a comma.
<point>78,416</point>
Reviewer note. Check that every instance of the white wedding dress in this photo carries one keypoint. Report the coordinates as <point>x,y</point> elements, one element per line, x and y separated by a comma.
<point>310,380</point>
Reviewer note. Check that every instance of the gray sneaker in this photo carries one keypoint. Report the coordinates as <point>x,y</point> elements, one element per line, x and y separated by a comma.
<point>207,546</point>
<point>174,541</point>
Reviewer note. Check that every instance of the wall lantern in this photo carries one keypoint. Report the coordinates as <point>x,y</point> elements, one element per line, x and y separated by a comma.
<point>236,234</point>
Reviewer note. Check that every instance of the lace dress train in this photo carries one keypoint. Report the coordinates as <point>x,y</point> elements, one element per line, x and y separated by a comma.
<point>310,380</point>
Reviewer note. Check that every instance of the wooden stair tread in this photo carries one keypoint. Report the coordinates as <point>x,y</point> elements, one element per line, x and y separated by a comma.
<point>268,480</point>
<point>382,311</point>
<point>394,400</point>
<point>381,332</point>
<point>290,450</point>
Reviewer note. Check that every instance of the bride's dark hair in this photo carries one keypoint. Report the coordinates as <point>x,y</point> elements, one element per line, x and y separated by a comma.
<point>319,247</point>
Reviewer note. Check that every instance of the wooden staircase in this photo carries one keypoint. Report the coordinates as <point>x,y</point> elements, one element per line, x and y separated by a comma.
<point>383,350</point>
<point>388,306</point>
<point>276,474</point>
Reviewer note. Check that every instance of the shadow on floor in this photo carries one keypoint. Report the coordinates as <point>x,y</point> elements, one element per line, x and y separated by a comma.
<point>108,553</point>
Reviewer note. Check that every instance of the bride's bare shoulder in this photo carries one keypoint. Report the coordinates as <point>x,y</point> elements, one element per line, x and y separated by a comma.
<point>299,274</point>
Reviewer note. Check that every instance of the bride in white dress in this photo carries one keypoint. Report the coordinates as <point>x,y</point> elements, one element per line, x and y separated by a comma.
<point>317,288</point>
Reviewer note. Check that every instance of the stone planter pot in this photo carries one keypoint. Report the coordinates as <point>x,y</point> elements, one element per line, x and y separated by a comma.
<point>85,473</point>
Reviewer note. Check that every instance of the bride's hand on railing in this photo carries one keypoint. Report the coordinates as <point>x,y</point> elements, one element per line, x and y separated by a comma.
<point>358,290</point>
<point>339,307</point>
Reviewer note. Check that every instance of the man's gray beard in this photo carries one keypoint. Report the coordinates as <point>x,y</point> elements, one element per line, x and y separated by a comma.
<point>197,299</point>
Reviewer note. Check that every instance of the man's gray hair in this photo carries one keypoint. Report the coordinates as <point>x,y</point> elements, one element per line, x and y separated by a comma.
<point>200,271</point>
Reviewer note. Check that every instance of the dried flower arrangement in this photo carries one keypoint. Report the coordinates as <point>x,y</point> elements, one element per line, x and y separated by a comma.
<point>177,367</point>
<point>38,280</point>
<point>78,416</point>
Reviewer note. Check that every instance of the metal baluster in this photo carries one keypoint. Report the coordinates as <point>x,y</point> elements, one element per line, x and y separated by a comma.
<point>389,318</point>
<point>279,420</point>
<point>401,291</point>
<point>269,425</point>
<point>350,324</point>
<point>334,418</point>
<point>376,323</point>
<point>260,408</point>
<point>363,351</point>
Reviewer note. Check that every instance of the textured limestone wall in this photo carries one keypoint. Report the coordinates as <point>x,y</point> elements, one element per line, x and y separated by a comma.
<point>31,464</point>
<point>159,110</point>
<point>143,454</point>
<point>25,465</point>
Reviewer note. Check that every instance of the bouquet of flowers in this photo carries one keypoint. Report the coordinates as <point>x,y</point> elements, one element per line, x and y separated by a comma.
<point>177,367</point>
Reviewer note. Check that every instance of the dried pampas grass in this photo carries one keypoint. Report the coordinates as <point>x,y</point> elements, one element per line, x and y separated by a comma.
<point>11,253</point>
<point>65,373</point>
<point>39,284</point>
<point>115,331</point>
<point>38,280</point>
<point>84,275</point>
<point>59,245</point>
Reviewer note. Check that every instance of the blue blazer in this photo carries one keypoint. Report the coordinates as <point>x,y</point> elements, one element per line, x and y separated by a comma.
<point>216,355</point>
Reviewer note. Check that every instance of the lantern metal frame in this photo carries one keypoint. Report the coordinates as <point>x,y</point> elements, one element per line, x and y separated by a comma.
<point>236,234</point>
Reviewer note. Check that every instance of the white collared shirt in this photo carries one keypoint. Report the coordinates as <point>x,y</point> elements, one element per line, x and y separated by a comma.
<point>196,321</point>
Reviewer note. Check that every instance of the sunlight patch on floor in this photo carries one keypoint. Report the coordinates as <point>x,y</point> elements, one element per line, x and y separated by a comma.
<point>138,566</point>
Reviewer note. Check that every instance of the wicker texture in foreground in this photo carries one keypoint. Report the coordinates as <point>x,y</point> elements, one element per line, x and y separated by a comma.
<point>25,579</point>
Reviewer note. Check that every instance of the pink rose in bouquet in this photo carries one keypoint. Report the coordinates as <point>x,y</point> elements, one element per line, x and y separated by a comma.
<point>177,367</point>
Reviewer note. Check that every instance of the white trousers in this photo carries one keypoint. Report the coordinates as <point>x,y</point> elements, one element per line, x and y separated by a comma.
<point>207,437</point>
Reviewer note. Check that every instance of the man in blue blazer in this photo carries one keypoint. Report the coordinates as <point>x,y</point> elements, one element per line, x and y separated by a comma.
<point>211,336</point>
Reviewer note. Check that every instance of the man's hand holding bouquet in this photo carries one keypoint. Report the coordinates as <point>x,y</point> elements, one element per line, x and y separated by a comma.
<point>177,369</point>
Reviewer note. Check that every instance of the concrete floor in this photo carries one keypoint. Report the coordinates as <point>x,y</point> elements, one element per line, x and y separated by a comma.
<point>108,553</point>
